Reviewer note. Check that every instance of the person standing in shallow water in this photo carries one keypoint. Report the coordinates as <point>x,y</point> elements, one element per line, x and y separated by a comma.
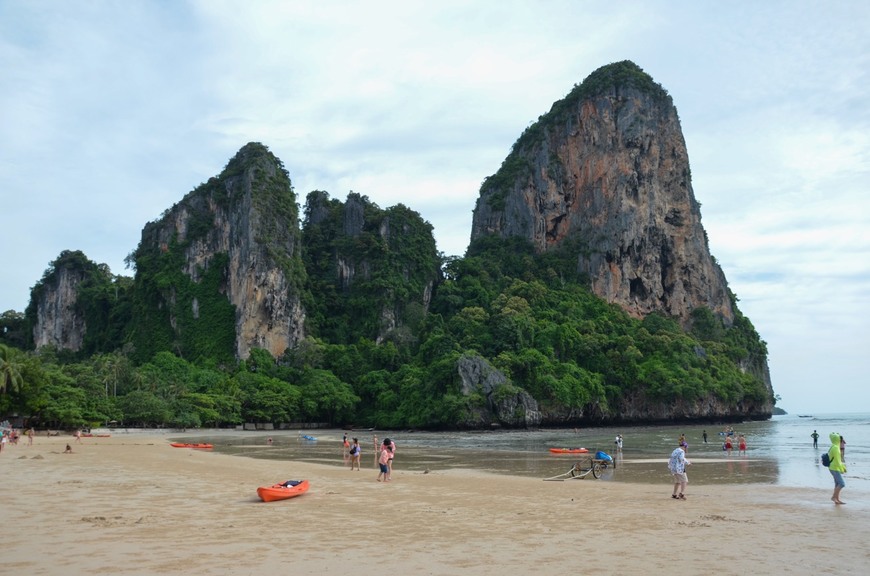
<point>815,437</point>
<point>837,467</point>
<point>705,436</point>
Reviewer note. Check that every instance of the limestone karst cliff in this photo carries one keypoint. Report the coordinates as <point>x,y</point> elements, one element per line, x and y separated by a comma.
<point>373,270</point>
<point>605,174</point>
<point>57,320</point>
<point>235,241</point>
<point>367,323</point>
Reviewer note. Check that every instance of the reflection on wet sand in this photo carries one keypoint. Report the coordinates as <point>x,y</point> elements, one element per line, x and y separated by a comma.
<point>514,453</point>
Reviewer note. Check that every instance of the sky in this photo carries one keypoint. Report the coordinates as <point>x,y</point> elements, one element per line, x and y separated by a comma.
<point>110,112</point>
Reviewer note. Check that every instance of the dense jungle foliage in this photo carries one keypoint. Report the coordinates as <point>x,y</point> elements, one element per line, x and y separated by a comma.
<point>529,315</point>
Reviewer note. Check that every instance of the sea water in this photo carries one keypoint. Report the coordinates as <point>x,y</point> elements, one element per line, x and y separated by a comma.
<point>779,451</point>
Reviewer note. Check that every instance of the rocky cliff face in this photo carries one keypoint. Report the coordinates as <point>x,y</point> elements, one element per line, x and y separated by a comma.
<point>248,214</point>
<point>59,322</point>
<point>505,405</point>
<point>606,174</point>
<point>373,270</point>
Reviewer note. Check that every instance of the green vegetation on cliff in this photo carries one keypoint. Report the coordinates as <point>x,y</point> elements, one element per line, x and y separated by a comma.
<point>526,314</point>
<point>369,268</point>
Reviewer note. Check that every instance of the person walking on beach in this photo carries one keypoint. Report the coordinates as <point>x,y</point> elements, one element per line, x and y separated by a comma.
<point>677,466</point>
<point>815,437</point>
<point>837,467</point>
<point>355,454</point>
<point>741,445</point>
<point>383,462</point>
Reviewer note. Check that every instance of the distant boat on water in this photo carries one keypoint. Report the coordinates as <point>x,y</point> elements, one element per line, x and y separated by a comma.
<point>805,415</point>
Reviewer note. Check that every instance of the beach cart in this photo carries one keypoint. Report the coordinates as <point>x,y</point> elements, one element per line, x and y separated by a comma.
<point>592,464</point>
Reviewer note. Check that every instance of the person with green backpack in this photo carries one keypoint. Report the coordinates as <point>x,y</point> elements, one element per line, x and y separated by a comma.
<point>837,467</point>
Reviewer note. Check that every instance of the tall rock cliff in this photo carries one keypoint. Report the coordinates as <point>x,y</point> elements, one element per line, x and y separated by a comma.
<point>605,174</point>
<point>55,316</point>
<point>372,270</point>
<point>227,253</point>
<point>77,306</point>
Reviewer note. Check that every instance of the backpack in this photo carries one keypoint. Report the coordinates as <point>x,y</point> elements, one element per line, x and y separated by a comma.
<point>826,460</point>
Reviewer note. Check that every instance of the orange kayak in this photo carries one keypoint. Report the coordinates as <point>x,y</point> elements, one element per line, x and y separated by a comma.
<point>283,490</point>
<point>201,446</point>
<point>569,450</point>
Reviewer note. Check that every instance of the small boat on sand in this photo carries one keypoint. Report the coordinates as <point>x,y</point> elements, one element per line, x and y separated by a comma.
<point>569,450</point>
<point>198,446</point>
<point>283,490</point>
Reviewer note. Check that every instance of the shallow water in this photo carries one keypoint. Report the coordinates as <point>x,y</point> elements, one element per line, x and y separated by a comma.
<point>779,450</point>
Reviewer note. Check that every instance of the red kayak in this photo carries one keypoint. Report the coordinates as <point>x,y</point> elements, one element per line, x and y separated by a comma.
<point>569,450</point>
<point>201,446</point>
<point>89,435</point>
<point>282,491</point>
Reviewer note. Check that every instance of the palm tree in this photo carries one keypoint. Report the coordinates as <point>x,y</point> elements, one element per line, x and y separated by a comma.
<point>10,369</point>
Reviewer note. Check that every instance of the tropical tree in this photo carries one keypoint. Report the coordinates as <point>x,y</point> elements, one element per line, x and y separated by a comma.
<point>10,369</point>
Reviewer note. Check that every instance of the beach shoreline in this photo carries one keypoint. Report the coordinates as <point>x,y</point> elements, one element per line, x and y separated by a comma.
<point>130,504</point>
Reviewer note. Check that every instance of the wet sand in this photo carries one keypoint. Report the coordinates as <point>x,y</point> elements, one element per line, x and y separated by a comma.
<point>131,504</point>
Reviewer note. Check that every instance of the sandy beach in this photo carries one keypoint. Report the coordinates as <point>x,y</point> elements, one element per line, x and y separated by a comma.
<point>131,504</point>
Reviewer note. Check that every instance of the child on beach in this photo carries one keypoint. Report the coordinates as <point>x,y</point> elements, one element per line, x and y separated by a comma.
<point>383,462</point>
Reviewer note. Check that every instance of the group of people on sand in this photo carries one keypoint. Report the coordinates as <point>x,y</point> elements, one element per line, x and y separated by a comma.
<point>384,451</point>
<point>9,435</point>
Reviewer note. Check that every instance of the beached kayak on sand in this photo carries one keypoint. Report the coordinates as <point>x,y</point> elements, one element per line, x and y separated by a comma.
<point>569,450</point>
<point>200,446</point>
<point>282,491</point>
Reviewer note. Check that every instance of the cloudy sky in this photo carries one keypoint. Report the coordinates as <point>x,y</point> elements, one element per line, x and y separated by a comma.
<point>111,111</point>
